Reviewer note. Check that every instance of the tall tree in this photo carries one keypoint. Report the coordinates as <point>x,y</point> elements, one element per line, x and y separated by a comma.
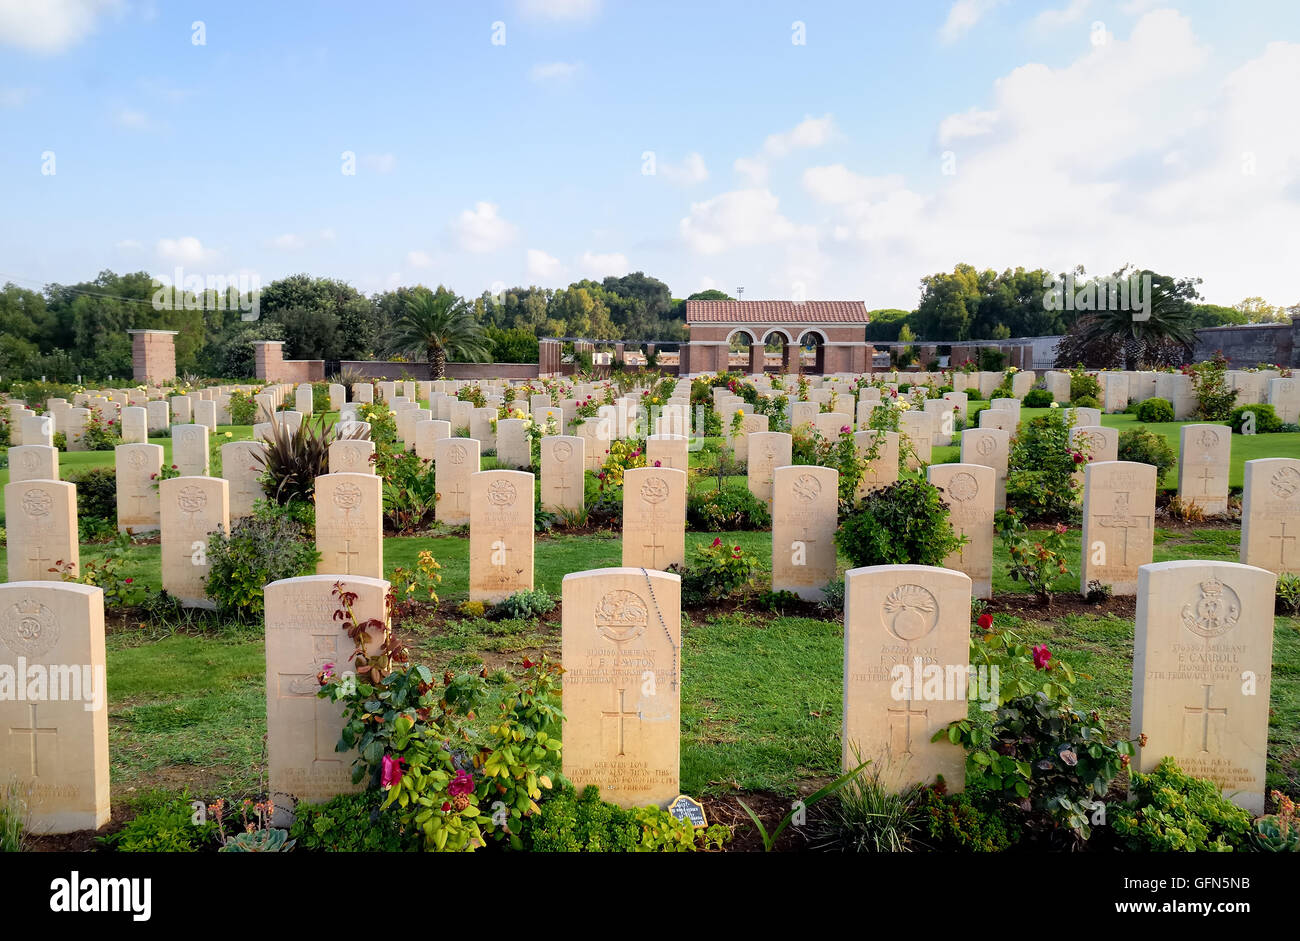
<point>436,324</point>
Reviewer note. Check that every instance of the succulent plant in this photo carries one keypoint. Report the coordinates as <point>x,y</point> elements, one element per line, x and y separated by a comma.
<point>1275,834</point>
<point>259,841</point>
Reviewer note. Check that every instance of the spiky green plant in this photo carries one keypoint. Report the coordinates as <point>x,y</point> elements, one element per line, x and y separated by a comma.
<point>294,458</point>
<point>436,324</point>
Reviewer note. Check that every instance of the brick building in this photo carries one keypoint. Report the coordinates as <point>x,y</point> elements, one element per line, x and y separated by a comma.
<point>834,330</point>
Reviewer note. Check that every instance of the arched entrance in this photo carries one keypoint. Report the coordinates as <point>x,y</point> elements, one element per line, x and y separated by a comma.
<point>812,352</point>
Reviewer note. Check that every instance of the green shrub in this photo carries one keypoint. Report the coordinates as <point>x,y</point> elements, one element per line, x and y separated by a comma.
<point>1084,386</point>
<point>1037,398</point>
<point>904,523</point>
<point>260,549</point>
<point>350,823</point>
<point>1040,469</point>
<point>1173,811</point>
<point>243,410</point>
<point>866,817</point>
<point>833,599</point>
<point>524,605</point>
<point>1214,400</point>
<point>972,821</point>
<point>96,493</point>
<point>13,817</point>
<point>573,823</point>
<point>717,571</point>
<point>972,394</point>
<point>1086,401</point>
<point>1146,447</point>
<point>1266,420</point>
<point>1155,410</point>
<point>163,823</point>
<point>731,508</point>
<point>1288,594</point>
<point>991,359</point>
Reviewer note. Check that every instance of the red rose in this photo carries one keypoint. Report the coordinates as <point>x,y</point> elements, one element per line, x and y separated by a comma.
<point>986,621</point>
<point>1041,656</point>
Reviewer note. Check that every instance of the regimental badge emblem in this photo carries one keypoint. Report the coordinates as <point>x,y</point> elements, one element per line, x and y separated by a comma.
<point>986,445</point>
<point>562,451</point>
<point>1286,483</point>
<point>501,493</point>
<point>910,612</point>
<point>37,503</point>
<point>621,616</point>
<point>29,628</point>
<point>191,499</point>
<point>347,497</point>
<point>1216,611</point>
<point>807,488</point>
<point>963,487</point>
<point>654,490</point>
<point>456,454</point>
<point>1208,438</point>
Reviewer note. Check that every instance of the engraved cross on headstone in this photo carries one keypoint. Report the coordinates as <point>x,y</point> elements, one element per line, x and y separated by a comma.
<point>35,731</point>
<point>654,545</point>
<point>622,715</point>
<point>900,720</point>
<point>348,554</point>
<point>306,686</point>
<point>1283,539</point>
<point>1207,475</point>
<point>1205,712</point>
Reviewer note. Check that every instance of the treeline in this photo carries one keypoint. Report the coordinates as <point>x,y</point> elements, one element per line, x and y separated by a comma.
<point>968,304</point>
<point>81,329</point>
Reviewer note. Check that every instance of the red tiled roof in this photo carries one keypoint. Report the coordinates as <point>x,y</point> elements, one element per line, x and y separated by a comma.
<point>764,312</point>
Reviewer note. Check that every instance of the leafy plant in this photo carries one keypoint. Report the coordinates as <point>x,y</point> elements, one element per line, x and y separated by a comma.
<point>163,823</point>
<point>525,605</point>
<point>1214,400</point>
<point>971,821</point>
<point>1146,447</point>
<point>867,817</point>
<point>1173,811</point>
<point>1037,398</point>
<point>350,823</point>
<point>262,548</point>
<point>438,324</point>
<point>1288,594</point>
<point>1039,563</point>
<point>108,573</point>
<point>242,407</point>
<point>1042,466</point>
<point>1084,386</point>
<point>1265,421</point>
<point>1279,832</point>
<point>256,834</point>
<point>904,523</point>
<point>1036,749</point>
<point>717,571</point>
<point>569,822</point>
<point>724,510</point>
<point>1155,410</point>
<point>778,602</point>
<point>769,839</point>
<point>294,458</point>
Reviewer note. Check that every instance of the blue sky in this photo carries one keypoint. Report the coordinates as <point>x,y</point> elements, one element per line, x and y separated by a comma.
<point>899,139</point>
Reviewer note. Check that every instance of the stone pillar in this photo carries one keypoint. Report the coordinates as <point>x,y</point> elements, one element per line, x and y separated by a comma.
<point>268,357</point>
<point>790,359</point>
<point>757,358</point>
<point>618,353</point>
<point>153,355</point>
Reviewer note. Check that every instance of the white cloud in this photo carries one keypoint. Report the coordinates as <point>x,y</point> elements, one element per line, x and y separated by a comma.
<point>185,250</point>
<point>596,265</point>
<point>1072,12</point>
<point>740,217</point>
<point>1171,188</point>
<point>838,185</point>
<point>288,242</point>
<point>691,170</point>
<point>543,267</point>
<point>128,245</point>
<point>419,259</point>
<point>962,17</point>
<point>809,133</point>
<point>970,123</point>
<point>572,10</point>
<point>379,163</point>
<point>50,26</point>
<point>555,71</point>
<point>482,230</point>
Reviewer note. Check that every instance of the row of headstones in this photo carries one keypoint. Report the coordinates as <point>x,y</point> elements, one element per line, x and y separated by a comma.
<point>1252,387</point>
<point>1201,682</point>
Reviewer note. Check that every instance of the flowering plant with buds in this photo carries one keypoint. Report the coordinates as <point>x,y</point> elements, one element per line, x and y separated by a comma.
<point>1030,742</point>
<point>452,779</point>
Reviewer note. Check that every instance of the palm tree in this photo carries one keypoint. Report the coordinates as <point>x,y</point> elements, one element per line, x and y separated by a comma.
<point>435,324</point>
<point>1169,323</point>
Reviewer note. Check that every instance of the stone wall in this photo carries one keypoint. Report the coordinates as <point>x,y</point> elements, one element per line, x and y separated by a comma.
<point>1252,344</point>
<point>384,369</point>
